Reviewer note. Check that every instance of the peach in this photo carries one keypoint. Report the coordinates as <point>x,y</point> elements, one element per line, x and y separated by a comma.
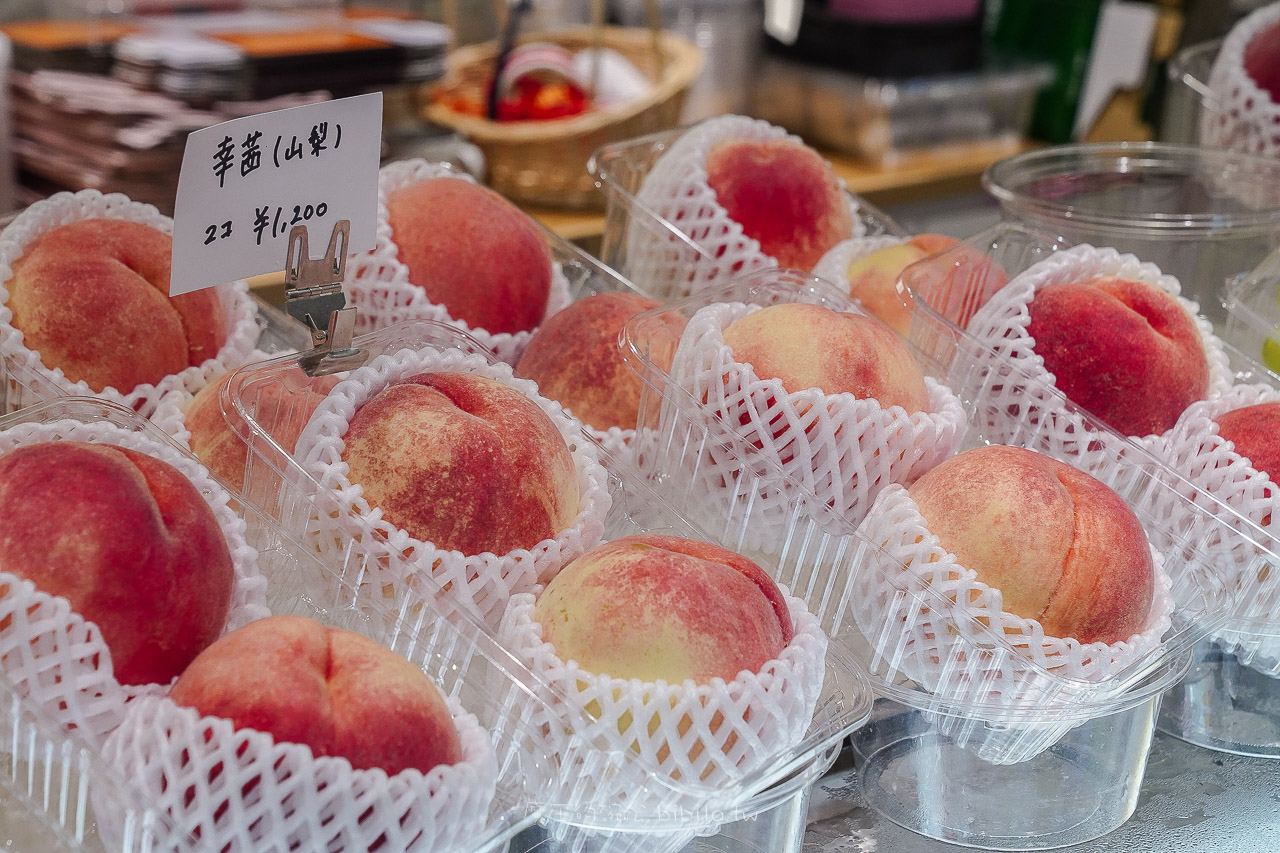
<point>873,281</point>
<point>784,195</point>
<point>282,409</point>
<point>1262,60</point>
<point>575,359</point>
<point>333,690</point>
<point>1255,432</point>
<point>1123,350</point>
<point>128,541</point>
<point>464,462</point>
<point>1062,547</point>
<point>92,297</point>
<point>812,346</point>
<point>473,252</point>
<point>664,608</point>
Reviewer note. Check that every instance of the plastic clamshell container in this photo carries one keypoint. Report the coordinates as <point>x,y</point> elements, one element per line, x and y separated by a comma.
<point>674,811</point>
<point>1022,742</point>
<point>880,120</point>
<point>1212,707</point>
<point>1253,313</point>
<point>1200,214</point>
<point>620,170</point>
<point>68,785</point>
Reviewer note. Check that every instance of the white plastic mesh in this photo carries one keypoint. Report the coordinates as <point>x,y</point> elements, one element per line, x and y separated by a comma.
<point>932,620</point>
<point>482,582</point>
<point>676,191</point>
<point>834,265</point>
<point>52,654</point>
<point>242,791</point>
<point>377,282</point>
<point>702,737</point>
<point>1195,450</point>
<point>1244,117</point>
<point>840,448</point>
<point>1001,324</point>
<point>36,381</point>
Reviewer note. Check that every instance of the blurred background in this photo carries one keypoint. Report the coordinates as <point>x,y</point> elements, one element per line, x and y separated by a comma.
<point>911,101</point>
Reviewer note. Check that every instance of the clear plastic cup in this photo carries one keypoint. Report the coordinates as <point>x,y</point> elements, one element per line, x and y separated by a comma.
<point>1188,96</point>
<point>1199,214</point>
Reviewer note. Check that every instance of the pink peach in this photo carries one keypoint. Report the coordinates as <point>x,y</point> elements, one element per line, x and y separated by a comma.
<point>92,297</point>
<point>1123,350</point>
<point>337,692</point>
<point>1062,547</point>
<point>128,540</point>
<point>464,462</point>
<point>784,195</point>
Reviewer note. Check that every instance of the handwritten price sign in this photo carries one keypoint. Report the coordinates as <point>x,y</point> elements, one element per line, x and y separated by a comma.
<point>245,183</point>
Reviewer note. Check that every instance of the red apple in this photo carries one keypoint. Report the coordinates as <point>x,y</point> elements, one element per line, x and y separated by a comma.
<point>128,540</point>
<point>464,462</point>
<point>812,346</point>
<point>1062,547</point>
<point>784,195</point>
<point>473,252</point>
<point>1123,350</point>
<point>333,690</point>
<point>92,297</point>
<point>664,608</point>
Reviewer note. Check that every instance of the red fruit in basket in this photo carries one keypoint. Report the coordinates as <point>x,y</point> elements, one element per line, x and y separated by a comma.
<point>92,297</point>
<point>1123,350</point>
<point>784,195</point>
<point>1262,60</point>
<point>336,691</point>
<point>473,252</point>
<point>128,540</point>
<point>1061,546</point>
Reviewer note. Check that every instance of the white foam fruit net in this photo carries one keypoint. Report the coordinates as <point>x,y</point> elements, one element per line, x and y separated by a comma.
<point>933,621</point>
<point>676,192</point>
<point>240,790</point>
<point>1210,462</point>
<point>32,381</point>
<point>56,658</point>
<point>837,447</point>
<point>377,282</point>
<point>1243,117</point>
<point>345,524</point>
<point>834,265</point>
<point>698,738</point>
<point>1024,399</point>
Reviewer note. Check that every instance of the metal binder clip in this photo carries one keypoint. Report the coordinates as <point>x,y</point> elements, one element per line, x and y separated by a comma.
<point>313,296</point>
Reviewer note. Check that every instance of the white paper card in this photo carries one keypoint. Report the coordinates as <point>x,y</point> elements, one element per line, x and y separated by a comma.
<point>245,183</point>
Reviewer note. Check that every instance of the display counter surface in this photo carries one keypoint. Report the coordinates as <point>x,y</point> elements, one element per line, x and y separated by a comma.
<point>1192,801</point>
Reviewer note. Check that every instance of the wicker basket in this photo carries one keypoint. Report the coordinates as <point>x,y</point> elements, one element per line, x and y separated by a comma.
<point>545,162</point>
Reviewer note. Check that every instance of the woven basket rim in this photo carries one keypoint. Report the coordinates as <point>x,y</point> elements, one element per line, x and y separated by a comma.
<point>684,62</point>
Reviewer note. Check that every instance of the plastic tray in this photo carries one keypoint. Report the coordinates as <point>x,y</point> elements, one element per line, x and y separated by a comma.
<point>63,781</point>
<point>1210,707</point>
<point>620,170</point>
<point>1253,313</point>
<point>842,706</point>
<point>1021,742</point>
